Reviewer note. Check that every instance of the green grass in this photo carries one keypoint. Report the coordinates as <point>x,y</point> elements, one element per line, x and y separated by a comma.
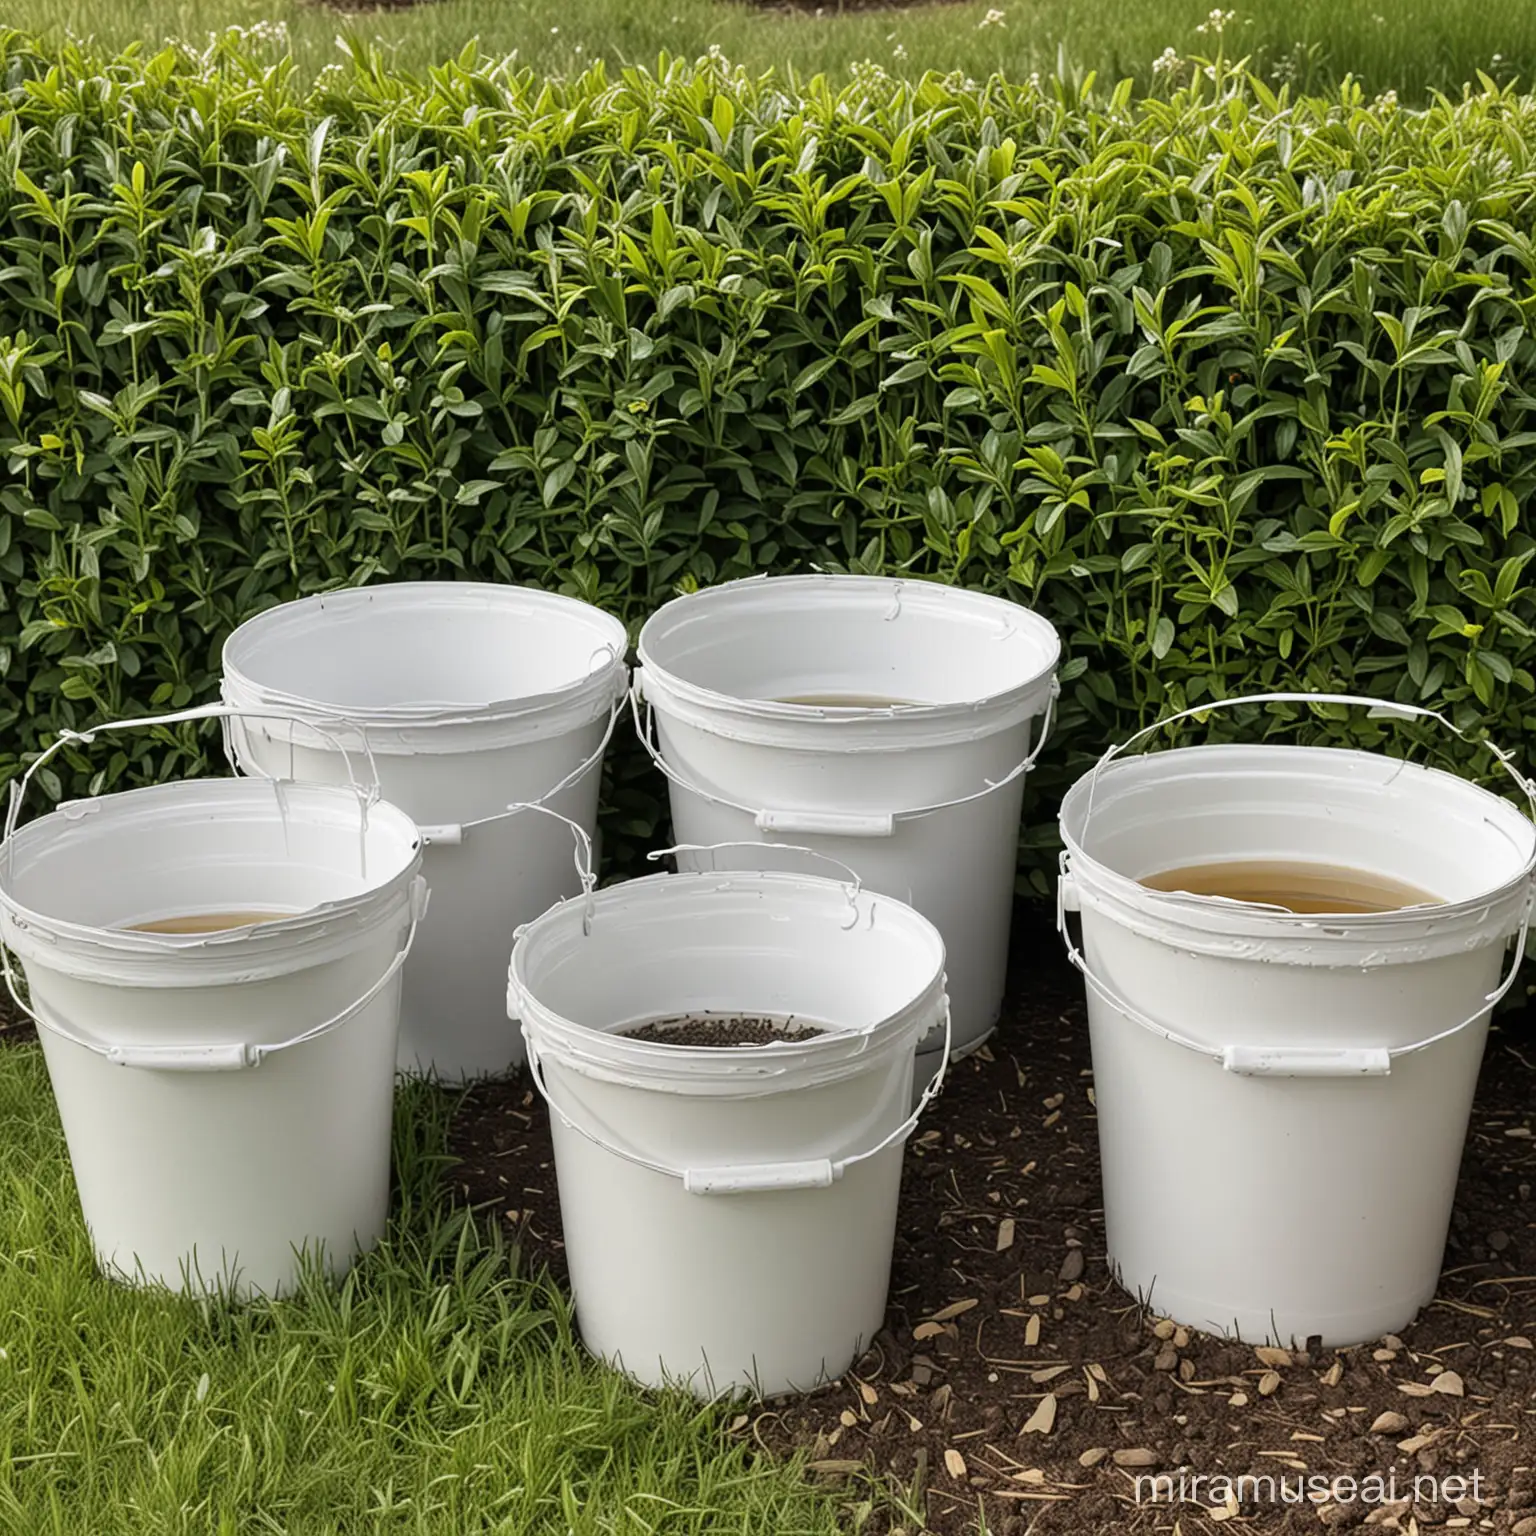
<point>1406,45</point>
<point>436,1392</point>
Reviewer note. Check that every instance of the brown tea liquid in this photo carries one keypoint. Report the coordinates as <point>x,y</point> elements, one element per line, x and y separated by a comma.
<point>1294,885</point>
<point>845,700</point>
<point>206,922</point>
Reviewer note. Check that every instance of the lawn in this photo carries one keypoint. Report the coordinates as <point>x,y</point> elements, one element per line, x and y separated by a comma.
<point>438,1392</point>
<point>1405,45</point>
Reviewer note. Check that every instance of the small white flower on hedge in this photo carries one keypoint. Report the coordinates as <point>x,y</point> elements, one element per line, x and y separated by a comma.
<point>1166,62</point>
<point>1217,21</point>
<point>993,18</point>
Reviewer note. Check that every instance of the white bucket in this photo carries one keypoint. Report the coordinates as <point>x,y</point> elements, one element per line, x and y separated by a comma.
<point>729,1213</point>
<point>226,1097</point>
<point>1283,1099</point>
<point>923,800</point>
<point>474,702</point>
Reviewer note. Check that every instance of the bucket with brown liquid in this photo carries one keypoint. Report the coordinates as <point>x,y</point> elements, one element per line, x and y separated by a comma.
<point>214,967</point>
<point>1291,955</point>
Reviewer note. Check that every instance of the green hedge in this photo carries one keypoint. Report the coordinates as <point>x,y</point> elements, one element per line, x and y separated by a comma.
<point>1236,389</point>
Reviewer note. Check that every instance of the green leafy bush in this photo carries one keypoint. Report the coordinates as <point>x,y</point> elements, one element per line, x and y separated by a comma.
<point>1235,388</point>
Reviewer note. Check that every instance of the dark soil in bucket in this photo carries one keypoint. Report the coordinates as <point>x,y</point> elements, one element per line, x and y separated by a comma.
<point>727,1029</point>
<point>1015,1388</point>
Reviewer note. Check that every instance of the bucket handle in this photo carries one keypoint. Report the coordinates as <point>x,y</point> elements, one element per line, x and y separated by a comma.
<point>1282,1060</point>
<point>224,1057</point>
<point>452,833</point>
<point>826,823</point>
<point>19,787</point>
<point>855,885</point>
<point>1389,707</point>
<point>1290,1061</point>
<point>751,1178</point>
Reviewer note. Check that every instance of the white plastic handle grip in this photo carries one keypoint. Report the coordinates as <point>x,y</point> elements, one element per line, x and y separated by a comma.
<point>827,823</point>
<point>1306,1061</point>
<point>749,1178</point>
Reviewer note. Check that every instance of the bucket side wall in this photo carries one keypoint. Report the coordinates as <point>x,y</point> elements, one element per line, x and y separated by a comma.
<point>1281,1207</point>
<point>956,866</point>
<point>230,1170</point>
<point>454,1017</point>
<point>769,1292</point>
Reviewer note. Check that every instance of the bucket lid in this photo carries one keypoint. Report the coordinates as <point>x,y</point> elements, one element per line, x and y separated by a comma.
<point>412,660</point>
<point>746,659</point>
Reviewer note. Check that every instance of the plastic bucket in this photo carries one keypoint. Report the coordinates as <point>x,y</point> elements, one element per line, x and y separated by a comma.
<point>729,1213</point>
<point>226,1097</point>
<point>922,798</point>
<point>474,701</point>
<point>1283,1099</point>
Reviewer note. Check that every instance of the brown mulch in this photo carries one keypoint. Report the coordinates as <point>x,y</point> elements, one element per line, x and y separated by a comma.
<point>1034,1374</point>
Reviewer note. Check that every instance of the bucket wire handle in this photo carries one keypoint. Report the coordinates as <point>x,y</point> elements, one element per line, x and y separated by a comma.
<point>1297,1061</point>
<point>834,823</point>
<point>234,1055</point>
<point>586,868</point>
<point>1389,707</point>
<point>18,787</point>
<point>745,1178</point>
<point>1289,1061</point>
<point>453,832</point>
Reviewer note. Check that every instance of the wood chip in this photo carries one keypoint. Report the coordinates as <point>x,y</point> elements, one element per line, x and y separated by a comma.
<point>1449,1383</point>
<point>868,1393</point>
<point>954,1464</point>
<point>1518,1341</point>
<point>1048,1373</point>
<point>837,1466</point>
<point>1389,1423</point>
<point>1091,1458</point>
<point>954,1309</point>
<point>1238,1400</point>
<point>1043,1420</point>
<point>1071,1266</point>
<point>927,1331</point>
<point>1093,1387</point>
<point>1415,1388</point>
<point>1269,1383</point>
<point>1138,1456</point>
<point>847,1418</point>
<point>1278,1358</point>
<point>1035,1476</point>
<point>1416,1443</point>
<point>1334,1374</point>
<point>1005,1234</point>
<point>1164,1329</point>
<point>1032,1331</point>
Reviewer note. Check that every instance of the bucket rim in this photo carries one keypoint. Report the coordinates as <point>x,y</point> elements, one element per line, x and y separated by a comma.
<point>597,687</point>
<point>663,685</point>
<point>593,1051</point>
<point>177,799</point>
<point>1215,918</point>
